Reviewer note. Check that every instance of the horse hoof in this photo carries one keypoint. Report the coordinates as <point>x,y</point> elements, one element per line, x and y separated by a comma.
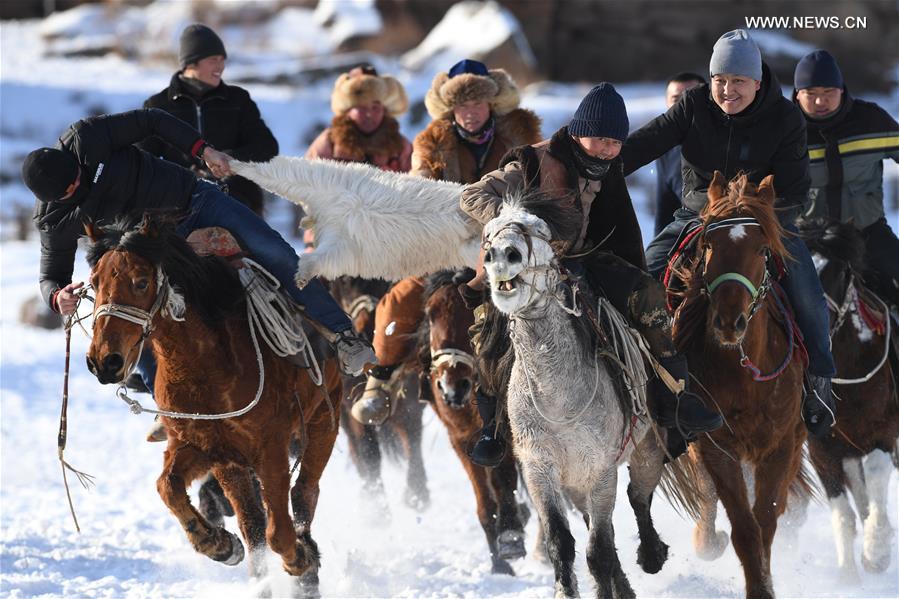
<point>876,564</point>
<point>417,500</point>
<point>235,553</point>
<point>710,550</point>
<point>510,544</point>
<point>651,559</point>
<point>306,586</point>
<point>501,566</point>
<point>308,558</point>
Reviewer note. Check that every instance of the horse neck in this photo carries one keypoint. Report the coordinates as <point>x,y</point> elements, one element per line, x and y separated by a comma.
<point>177,343</point>
<point>548,343</point>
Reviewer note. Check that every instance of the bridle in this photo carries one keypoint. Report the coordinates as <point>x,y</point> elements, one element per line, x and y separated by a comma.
<point>139,316</point>
<point>452,357</point>
<point>552,270</point>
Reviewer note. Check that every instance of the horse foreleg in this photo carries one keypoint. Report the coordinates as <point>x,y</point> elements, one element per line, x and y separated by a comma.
<point>878,532</point>
<point>181,465</point>
<point>746,535</point>
<point>364,451</point>
<point>238,486</point>
<point>410,412</point>
<point>503,481</point>
<point>830,469</point>
<point>544,486</point>
<point>773,475</point>
<point>646,465</point>
<point>708,542</point>
<point>602,557</point>
<point>273,470</point>
<point>857,485</point>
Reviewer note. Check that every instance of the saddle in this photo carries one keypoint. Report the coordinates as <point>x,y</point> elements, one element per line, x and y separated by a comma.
<point>217,241</point>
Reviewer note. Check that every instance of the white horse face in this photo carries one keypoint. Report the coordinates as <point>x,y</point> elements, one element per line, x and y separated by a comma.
<point>518,260</point>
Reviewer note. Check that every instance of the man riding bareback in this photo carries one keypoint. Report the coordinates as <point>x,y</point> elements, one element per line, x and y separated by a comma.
<point>741,123</point>
<point>580,164</point>
<point>96,175</point>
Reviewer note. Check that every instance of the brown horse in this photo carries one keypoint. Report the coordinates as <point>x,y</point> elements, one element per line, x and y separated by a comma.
<point>151,286</point>
<point>453,378</point>
<point>401,434</point>
<point>728,325</point>
<point>855,456</point>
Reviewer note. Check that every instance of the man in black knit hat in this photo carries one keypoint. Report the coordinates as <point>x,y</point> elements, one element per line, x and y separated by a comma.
<point>848,139</point>
<point>224,114</point>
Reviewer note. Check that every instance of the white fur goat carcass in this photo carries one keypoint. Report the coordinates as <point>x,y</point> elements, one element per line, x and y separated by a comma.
<point>368,222</point>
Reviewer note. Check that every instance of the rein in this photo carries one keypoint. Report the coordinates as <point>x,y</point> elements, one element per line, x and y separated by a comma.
<point>852,302</point>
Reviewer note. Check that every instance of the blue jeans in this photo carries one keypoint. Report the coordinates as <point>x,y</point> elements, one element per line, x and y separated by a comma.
<point>800,282</point>
<point>210,207</point>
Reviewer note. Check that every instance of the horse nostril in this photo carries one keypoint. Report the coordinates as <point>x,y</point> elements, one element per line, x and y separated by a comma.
<point>718,323</point>
<point>740,324</point>
<point>513,256</point>
<point>91,365</point>
<point>462,388</point>
<point>440,385</point>
<point>488,255</point>
<point>113,363</point>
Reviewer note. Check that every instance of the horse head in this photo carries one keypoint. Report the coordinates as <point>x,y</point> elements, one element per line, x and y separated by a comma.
<point>142,275</point>
<point>519,261</point>
<point>838,251</point>
<point>453,366</point>
<point>741,233</point>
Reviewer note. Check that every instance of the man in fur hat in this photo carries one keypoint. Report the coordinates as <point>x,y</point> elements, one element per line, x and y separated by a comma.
<point>580,164</point>
<point>476,120</point>
<point>364,127</point>
<point>225,114</point>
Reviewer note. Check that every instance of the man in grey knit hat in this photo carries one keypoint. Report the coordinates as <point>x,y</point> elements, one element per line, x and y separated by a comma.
<point>742,123</point>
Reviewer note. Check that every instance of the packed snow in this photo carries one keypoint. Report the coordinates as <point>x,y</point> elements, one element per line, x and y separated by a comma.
<point>130,545</point>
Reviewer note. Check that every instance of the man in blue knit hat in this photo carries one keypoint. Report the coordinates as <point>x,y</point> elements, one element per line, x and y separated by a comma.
<point>581,161</point>
<point>741,123</point>
<point>848,139</point>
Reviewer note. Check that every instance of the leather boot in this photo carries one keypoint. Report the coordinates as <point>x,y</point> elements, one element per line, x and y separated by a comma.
<point>684,411</point>
<point>490,448</point>
<point>818,407</point>
<point>374,405</point>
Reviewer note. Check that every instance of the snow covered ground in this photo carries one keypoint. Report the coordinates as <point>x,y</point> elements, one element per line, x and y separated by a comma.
<point>131,546</point>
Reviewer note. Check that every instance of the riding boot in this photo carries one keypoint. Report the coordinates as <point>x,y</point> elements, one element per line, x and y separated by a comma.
<point>374,405</point>
<point>684,411</point>
<point>490,448</point>
<point>818,407</point>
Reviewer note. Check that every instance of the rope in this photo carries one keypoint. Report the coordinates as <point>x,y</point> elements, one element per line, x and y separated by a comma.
<point>747,363</point>
<point>886,353</point>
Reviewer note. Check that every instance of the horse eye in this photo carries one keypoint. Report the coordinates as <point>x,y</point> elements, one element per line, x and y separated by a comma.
<point>763,251</point>
<point>141,284</point>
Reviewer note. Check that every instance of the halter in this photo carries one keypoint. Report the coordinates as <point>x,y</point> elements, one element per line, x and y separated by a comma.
<point>139,316</point>
<point>452,357</point>
<point>363,302</point>
<point>758,295</point>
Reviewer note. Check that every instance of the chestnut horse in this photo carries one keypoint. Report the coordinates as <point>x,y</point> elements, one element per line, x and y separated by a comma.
<point>453,378</point>
<point>401,433</point>
<point>151,286</point>
<point>731,323</point>
<point>856,454</point>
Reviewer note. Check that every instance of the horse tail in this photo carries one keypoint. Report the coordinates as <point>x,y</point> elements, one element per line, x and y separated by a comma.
<point>680,487</point>
<point>803,486</point>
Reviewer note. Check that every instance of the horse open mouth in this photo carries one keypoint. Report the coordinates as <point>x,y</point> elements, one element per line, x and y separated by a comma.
<point>508,286</point>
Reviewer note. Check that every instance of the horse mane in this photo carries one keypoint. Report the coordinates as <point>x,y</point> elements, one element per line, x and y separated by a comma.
<point>436,280</point>
<point>208,283</point>
<point>560,214</point>
<point>835,240</point>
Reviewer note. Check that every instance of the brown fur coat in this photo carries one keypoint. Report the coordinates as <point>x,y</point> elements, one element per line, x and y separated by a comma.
<point>386,148</point>
<point>439,154</point>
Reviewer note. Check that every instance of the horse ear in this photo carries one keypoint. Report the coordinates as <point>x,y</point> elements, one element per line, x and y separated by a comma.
<point>94,232</point>
<point>149,226</point>
<point>718,187</point>
<point>766,190</point>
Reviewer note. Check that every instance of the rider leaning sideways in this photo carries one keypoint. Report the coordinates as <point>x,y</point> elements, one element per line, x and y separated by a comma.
<point>581,164</point>
<point>96,175</point>
<point>742,123</point>
<point>848,139</point>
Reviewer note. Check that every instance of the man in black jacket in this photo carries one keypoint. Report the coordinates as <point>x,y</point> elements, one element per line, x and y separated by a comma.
<point>848,139</point>
<point>225,115</point>
<point>742,123</point>
<point>95,175</point>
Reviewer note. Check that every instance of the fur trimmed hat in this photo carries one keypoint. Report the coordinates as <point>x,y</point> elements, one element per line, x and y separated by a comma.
<point>362,85</point>
<point>470,81</point>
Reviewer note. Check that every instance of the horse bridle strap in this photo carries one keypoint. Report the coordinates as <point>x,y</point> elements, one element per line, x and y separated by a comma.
<point>363,302</point>
<point>738,278</point>
<point>452,357</point>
